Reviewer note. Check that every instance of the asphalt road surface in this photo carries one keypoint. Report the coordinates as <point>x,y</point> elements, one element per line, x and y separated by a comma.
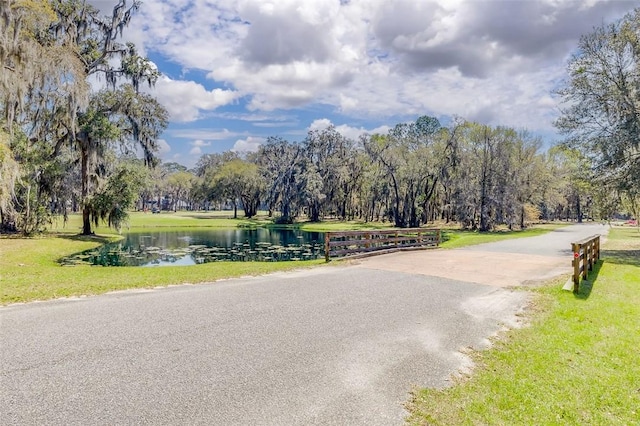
<point>339,345</point>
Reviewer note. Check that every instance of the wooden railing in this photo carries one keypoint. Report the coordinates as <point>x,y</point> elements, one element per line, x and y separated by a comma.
<point>585,255</point>
<point>360,243</point>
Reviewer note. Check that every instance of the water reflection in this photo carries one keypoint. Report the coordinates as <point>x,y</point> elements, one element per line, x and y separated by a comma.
<point>193,247</point>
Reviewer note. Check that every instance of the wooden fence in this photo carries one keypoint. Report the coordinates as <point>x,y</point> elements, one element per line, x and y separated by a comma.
<point>361,243</point>
<point>585,254</point>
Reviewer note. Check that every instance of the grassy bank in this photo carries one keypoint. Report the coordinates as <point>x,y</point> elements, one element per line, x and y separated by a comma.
<point>578,363</point>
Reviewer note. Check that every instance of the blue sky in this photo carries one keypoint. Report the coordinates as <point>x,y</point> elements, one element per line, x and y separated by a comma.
<point>238,71</point>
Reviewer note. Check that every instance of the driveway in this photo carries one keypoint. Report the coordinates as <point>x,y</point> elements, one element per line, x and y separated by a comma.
<point>332,345</point>
<point>502,264</point>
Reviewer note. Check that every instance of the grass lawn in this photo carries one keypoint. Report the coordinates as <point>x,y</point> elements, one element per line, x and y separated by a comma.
<point>182,220</point>
<point>577,363</point>
<point>453,238</point>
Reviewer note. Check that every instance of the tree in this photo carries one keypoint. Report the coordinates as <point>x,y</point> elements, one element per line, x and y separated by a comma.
<point>9,174</point>
<point>281,164</point>
<point>326,171</point>
<point>49,50</point>
<point>112,202</point>
<point>601,112</point>
<point>579,180</point>
<point>240,181</point>
<point>179,184</point>
<point>28,65</point>
<point>406,154</point>
<point>124,116</point>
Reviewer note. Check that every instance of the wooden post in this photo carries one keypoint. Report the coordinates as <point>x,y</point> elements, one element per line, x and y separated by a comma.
<point>585,260</point>
<point>326,246</point>
<point>576,266</point>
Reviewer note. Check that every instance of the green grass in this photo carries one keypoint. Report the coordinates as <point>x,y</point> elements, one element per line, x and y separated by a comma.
<point>456,238</point>
<point>578,363</point>
<point>141,222</point>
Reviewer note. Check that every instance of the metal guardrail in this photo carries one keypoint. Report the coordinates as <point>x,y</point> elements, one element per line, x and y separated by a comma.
<point>586,253</point>
<point>362,243</point>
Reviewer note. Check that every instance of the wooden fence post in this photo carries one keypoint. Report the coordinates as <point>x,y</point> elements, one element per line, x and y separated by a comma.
<point>575,248</point>
<point>586,254</point>
<point>326,246</point>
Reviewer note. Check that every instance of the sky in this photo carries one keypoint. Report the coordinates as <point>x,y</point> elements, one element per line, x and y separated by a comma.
<point>235,72</point>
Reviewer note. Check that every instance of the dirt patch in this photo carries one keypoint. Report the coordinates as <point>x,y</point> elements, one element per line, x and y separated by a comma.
<point>482,267</point>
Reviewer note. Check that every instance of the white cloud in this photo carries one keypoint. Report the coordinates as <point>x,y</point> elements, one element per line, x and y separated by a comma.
<point>349,132</point>
<point>197,145</point>
<point>185,100</point>
<point>200,143</point>
<point>163,147</point>
<point>203,134</point>
<point>250,144</point>
<point>320,124</point>
<point>495,61</point>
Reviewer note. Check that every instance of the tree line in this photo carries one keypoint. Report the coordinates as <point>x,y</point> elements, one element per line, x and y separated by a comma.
<point>477,175</point>
<point>65,147</point>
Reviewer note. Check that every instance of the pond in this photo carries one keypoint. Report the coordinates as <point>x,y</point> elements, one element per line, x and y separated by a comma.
<point>201,246</point>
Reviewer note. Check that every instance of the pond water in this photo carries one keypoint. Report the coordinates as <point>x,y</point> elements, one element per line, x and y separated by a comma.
<point>194,247</point>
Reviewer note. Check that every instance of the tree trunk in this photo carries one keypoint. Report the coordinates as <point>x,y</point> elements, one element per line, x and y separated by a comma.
<point>315,212</point>
<point>484,219</point>
<point>398,218</point>
<point>578,209</point>
<point>84,172</point>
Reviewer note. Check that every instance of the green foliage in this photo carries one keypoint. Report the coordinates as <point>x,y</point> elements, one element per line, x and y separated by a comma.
<point>327,172</point>
<point>238,179</point>
<point>282,166</point>
<point>405,155</point>
<point>52,48</point>
<point>9,174</point>
<point>119,195</point>
<point>601,111</point>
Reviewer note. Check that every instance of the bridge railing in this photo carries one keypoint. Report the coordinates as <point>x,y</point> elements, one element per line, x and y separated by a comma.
<point>586,253</point>
<point>362,243</point>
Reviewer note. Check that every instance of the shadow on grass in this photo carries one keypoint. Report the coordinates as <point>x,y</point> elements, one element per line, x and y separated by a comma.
<point>100,239</point>
<point>586,286</point>
<point>616,257</point>
<point>213,216</point>
<point>622,257</point>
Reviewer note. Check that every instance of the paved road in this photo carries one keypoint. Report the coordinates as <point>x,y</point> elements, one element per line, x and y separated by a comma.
<point>334,345</point>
